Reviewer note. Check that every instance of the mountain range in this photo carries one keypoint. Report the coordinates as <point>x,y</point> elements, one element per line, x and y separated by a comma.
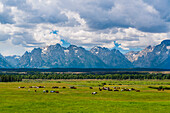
<point>152,57</point>
<point>56,56</point>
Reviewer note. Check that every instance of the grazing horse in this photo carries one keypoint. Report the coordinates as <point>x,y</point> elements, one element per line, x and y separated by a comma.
<point>100,89</point>
<point>105,88</point>
<point>55,87</point>
<point>41,86</point>
<point>52,91</point>
<point>93,93</point>
<point>110,89</point>
<point>132,89</point>
<point>159,89</point>
<point>64,87</point>
<point>126,89</point>
<point>33,87</point>
<point>116,90</point>
<point>91,87</point>
<point>73,87</point>
<point>137,90</point>
<point>57,91</point>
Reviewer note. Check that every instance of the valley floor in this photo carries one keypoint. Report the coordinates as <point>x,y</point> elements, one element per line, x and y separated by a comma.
<point>80,100</point>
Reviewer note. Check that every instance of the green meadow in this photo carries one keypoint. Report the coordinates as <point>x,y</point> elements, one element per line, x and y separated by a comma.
<point>80,100</point>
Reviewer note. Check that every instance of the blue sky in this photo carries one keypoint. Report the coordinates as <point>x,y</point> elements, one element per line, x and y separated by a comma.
<point>134,24</point>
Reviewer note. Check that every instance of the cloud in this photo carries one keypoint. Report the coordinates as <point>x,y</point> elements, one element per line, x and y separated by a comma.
<point>124,14</point>
<point>98,14</point>
<point>4,36</point>
<point>162,6</point>
<point>87,23</point>
<point>5,15</point>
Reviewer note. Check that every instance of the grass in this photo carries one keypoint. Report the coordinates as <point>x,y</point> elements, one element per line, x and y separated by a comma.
<point>80,100</point>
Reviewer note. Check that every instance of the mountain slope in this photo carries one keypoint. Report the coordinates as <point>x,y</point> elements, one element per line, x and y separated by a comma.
<point>165,64</point>
<point>4,63</point>
<point>152,57</point>
<point>113,58</point>
<point>13,60</point>
<point>56,56</point>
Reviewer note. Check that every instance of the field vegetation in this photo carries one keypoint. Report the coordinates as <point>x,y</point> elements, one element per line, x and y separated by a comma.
<point>81,100</point>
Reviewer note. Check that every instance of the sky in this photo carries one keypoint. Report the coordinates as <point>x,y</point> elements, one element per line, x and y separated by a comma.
<point>122,24</point>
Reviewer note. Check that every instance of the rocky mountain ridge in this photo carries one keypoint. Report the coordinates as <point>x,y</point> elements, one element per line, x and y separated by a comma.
<point>151,57</point>
<point>112,58</point>
<point>4,63</point>
<point>56,56</point>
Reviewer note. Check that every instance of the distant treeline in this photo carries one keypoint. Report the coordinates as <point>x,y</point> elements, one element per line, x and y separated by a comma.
<point>96,76</point>
<point>38,75</point>
<point>10,78</point>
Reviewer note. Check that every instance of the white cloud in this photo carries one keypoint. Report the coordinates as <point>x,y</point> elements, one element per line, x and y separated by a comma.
<point>1,7</point>
<point>73,15</point>
<point>133,24</point>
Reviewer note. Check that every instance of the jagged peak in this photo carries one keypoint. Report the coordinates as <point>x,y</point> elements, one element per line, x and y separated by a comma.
<point>166,42</point>
<point>72,46</point>
<point>96,47</point>
<point>36,50</point>
<point>58,45</point>
<point>149,47</point>
<point>99,48</point>
<point>26,52</point>
<point>115,50</point>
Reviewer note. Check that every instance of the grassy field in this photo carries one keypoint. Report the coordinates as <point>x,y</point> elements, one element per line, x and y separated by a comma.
<point>80,100</point>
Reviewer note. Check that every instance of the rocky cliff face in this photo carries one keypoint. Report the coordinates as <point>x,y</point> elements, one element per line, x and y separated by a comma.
<point>13,60</point>
<point>4,63</point>
<point>152,57</point>
<point>112,58</point>
<point>56,56</point>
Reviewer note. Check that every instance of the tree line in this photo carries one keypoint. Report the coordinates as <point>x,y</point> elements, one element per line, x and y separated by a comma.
<point>39,75</point>
<point>10,78</point>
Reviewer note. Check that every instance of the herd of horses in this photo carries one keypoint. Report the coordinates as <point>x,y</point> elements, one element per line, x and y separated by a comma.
<point>73,87</point>
<point>115,89</point>
<point>118,89</point>
<point>47,91</point>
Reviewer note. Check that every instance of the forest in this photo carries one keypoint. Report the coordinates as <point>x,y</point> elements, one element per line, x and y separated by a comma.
<point>13,77</point>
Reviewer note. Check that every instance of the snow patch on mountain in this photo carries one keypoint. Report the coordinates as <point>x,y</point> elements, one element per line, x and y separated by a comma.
<point>44,50</point>
<point>76,51</point>
<point>66,51</point>
<point>158,53</point>
<point>151,57</point>
<point>168,47</point>
<point>133,56</point>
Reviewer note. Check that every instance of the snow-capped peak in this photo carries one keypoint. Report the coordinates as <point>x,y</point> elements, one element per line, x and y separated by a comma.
<point>44,50</point>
